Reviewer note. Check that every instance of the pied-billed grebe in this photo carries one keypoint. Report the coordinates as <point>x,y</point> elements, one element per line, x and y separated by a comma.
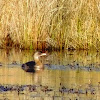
<point>31,66</point>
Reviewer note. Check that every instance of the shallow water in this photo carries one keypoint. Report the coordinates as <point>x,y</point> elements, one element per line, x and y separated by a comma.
<point>68,75</point>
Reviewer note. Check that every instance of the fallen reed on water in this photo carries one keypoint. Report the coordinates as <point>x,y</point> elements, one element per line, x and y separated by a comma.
<point>55,24</point>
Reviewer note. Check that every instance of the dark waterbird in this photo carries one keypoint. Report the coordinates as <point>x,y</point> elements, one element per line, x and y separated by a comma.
<point>31,66</point>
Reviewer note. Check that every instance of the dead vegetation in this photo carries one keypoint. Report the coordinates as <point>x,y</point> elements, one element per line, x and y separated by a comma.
<point>50,24</point>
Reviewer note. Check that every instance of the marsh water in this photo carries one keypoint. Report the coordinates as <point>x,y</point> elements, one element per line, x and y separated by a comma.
<point>68,75</point>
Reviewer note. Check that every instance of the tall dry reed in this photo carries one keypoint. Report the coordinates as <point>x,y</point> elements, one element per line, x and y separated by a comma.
<point>61,24</point>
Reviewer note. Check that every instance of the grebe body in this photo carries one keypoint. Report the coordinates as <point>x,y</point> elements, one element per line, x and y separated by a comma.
<point>31,66</point>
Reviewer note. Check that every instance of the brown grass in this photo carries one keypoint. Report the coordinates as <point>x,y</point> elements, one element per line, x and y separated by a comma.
<point>56,24</point>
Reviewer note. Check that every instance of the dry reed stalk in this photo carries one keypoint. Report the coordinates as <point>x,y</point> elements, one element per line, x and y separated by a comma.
<point>69,24</point>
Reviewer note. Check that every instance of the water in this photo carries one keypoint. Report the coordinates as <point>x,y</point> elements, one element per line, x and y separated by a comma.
<point>67,76</point>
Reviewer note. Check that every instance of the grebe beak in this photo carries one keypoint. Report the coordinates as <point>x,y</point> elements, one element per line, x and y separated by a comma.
<point>43,54</point>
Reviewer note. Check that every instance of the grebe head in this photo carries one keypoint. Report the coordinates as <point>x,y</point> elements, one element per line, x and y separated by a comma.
<point>37,55</point>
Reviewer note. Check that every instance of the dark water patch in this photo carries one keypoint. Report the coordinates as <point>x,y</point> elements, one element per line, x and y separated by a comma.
<point>46,89</point>
<point>72,67</point>
<point>55,67</point>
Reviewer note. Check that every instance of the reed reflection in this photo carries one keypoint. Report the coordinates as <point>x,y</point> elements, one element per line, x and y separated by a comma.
<point>64,73</point>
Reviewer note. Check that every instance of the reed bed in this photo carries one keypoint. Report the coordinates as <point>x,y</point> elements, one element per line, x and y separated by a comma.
<point>55,24</point>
